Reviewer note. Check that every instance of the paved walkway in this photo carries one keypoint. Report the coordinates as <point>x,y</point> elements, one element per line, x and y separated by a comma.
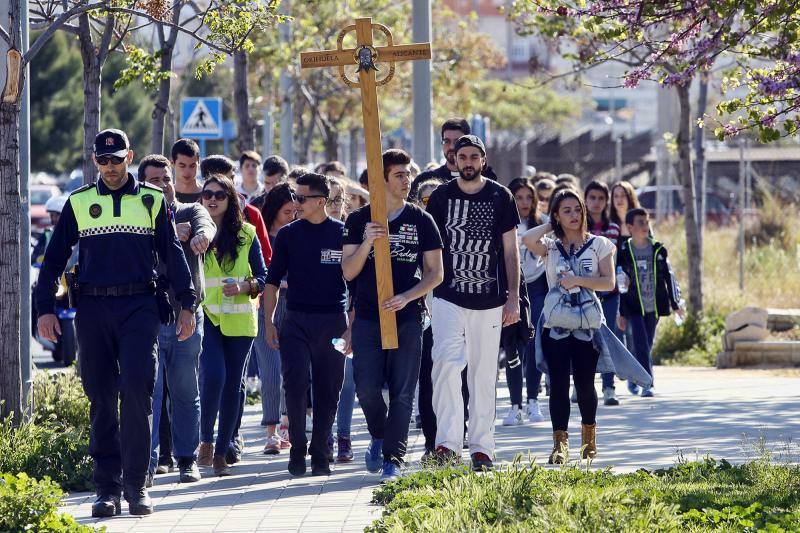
<point>730,414</point>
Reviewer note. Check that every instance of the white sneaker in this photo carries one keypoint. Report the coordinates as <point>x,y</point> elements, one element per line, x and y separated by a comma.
<point>309,424</point>
<point>533,411</point>
<point>253,385</point>
<point>513,417</point>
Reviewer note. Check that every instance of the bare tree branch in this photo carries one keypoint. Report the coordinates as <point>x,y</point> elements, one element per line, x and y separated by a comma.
<point>57,24</point>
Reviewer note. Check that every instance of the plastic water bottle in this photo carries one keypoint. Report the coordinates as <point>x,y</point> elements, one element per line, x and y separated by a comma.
<point>228,302</point>
<point>676,317</point>
<point>339,344</point>
<point>622,280</point>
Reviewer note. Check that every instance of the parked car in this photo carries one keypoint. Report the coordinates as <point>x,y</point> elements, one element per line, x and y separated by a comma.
<point>40,219</point>
<point>718,210</point>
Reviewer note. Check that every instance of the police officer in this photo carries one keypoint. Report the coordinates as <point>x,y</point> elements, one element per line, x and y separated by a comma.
<point>123,228</point>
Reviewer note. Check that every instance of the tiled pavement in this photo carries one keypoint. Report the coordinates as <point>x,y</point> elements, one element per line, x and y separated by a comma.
<point>696,411</point>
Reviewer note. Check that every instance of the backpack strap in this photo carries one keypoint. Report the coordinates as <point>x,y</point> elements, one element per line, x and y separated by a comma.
<point>564,253</point>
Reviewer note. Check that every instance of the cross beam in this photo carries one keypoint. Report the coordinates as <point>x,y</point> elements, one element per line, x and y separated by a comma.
<point>367,57</point>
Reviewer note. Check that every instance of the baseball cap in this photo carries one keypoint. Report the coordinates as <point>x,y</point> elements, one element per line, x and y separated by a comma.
<point>111,142</point>
<point>470,140</point>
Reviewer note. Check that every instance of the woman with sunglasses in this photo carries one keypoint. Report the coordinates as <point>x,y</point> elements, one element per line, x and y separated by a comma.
<point>235,276</point>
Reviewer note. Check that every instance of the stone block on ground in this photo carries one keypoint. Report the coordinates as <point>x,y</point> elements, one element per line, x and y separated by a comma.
<point>783,319</point>
<point>749,316</point>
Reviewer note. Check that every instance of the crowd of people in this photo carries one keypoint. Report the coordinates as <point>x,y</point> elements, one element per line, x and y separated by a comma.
<point>271,278</point>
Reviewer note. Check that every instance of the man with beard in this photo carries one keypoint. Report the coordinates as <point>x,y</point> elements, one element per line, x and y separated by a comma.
<point>478,220</point>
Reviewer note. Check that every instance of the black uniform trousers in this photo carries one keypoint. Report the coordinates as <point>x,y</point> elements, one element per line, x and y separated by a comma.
<point>305,342</point>
<point>118,337</point>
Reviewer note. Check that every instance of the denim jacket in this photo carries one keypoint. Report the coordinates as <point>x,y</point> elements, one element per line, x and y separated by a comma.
<point>614,357</point>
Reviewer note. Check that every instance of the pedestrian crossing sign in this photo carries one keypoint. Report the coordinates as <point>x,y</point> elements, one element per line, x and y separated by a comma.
<point>201,118</point>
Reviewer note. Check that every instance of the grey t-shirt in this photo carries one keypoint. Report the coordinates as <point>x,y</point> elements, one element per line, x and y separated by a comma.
<point>644,268</point>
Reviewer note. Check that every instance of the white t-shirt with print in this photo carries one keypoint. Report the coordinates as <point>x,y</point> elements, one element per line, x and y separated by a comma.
<point>589,259</point>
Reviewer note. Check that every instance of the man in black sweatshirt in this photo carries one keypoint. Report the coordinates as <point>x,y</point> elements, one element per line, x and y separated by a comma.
<point>308,252</point>
<point>178,362</point>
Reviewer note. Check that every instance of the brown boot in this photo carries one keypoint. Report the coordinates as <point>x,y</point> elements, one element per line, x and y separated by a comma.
<point>560,452</point>
<point>221,468</point>
<point>588,441</point>
<point>205,453</point>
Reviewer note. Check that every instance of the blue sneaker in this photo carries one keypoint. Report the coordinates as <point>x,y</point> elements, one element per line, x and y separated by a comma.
<point>390,471</point>
<point>373,457</point>
<point>633,388</point>
<point>647,393</point>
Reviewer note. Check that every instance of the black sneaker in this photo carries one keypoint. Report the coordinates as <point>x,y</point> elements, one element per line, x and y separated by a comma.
<point>189,472</point>
<point>233,455</point>
<point>321,468</point>
<point>297,466</point>
<point>481,462</point>
<point>139,502</point>
<point>106,506</point>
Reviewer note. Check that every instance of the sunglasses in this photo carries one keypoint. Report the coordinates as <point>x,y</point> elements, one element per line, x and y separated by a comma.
<point>103,160</point>
<point>300,199</point>
<point>218,195</point>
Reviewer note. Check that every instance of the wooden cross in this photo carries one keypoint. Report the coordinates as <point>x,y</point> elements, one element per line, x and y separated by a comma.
<point>367,57</point>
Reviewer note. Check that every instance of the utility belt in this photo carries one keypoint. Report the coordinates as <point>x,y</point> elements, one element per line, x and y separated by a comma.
<point>126,289</point>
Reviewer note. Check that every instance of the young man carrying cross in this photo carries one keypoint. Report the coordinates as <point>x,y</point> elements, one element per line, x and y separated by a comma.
<point>416,255</point>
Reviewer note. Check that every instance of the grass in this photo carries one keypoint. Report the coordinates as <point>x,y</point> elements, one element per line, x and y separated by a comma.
<point>706,495</point>
<point>772,279</point>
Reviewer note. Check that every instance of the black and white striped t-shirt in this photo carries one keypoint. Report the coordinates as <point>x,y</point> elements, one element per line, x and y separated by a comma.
<point>472,228</point>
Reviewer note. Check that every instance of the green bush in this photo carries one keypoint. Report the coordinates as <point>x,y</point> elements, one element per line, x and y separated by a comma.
<point>55,443</point>
<point>59,398</point>
<point>706,495</point>
<point>30,505</point>
<point>695,343</point>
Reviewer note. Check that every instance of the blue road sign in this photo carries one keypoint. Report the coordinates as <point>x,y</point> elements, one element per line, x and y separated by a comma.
<point>201,118</point>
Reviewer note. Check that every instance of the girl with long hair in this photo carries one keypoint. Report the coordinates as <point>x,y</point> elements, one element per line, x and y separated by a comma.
<point>278,210</point>
<point>235,276</point>
<point>568,351</point>
<point>520,355</point>
<point>623,199</point>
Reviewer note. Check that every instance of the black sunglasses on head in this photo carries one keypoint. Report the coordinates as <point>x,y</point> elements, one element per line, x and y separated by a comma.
<point>208,195</point>
<point>300,199</point>
<point>103,160</point>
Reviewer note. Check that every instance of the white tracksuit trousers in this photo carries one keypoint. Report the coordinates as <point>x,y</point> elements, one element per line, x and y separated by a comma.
<point>465,337</point>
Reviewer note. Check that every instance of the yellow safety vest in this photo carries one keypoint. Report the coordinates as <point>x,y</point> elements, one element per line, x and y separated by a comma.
<point>243,320</point>
<point>94,212</point>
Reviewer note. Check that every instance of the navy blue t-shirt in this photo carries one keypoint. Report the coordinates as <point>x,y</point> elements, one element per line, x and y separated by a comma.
<point>411,234</point>
<point>310,256</point>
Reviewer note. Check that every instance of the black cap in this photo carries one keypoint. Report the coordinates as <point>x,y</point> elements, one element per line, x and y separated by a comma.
<point>470,140</point>
<point>111,142</point>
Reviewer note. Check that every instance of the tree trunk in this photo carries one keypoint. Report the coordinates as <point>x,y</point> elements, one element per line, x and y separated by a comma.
<point>700,155</point>
<point>92,79</point>
<point>247,134</point>
<point>354,153</point>
<point>694,247</point>
<point>161,108</point>
<point>10,209</point>
<point>331,142</point>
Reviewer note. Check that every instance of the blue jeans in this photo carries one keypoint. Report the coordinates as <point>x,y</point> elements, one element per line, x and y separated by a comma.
<point>178,363</point>
<point>372,367</point>
<point>347,400</point>
<point>611,311</point>
<point>536,293</point>
<point>644,331</point>
<point>221,367</point>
